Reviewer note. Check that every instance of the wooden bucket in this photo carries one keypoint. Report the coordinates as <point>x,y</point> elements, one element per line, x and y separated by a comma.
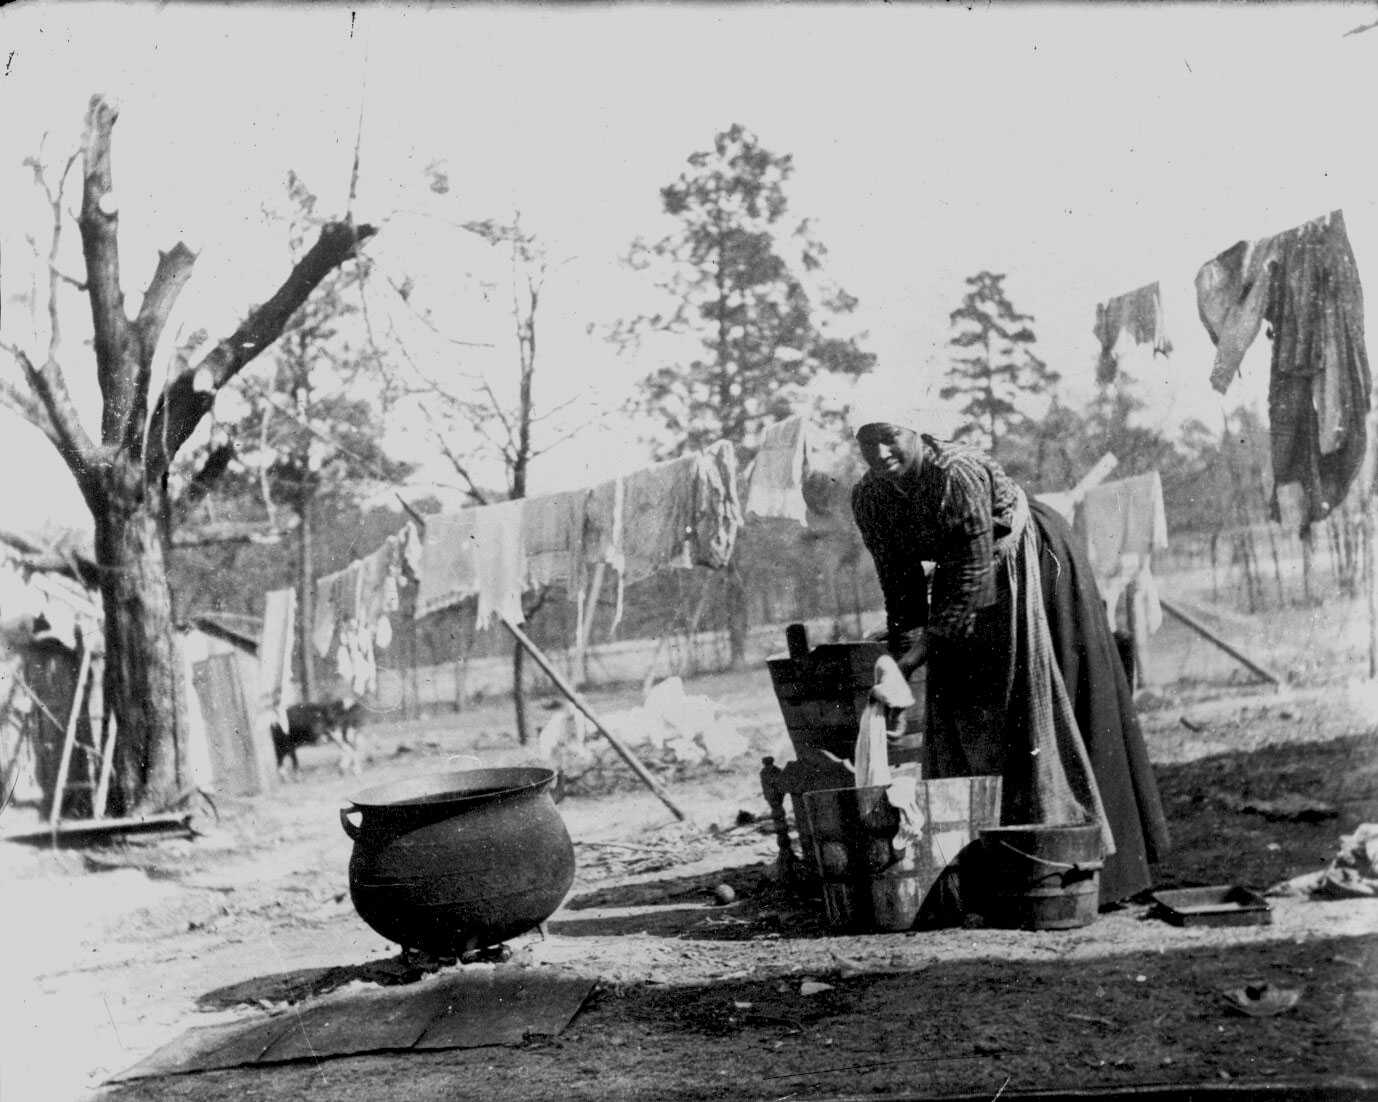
<point>870,883</point>
<point>1040,877</point>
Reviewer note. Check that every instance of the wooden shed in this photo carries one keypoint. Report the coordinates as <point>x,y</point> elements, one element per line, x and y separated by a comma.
<point>223,670</point>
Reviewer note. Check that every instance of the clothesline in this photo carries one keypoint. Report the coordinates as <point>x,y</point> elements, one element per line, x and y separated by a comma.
<point>672,515</point>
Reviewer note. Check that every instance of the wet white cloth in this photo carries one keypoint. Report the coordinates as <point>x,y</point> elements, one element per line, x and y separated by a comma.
<point>500,562</point>
<point>275,653</point>
<point>776,488</point>
<point>872,762</point>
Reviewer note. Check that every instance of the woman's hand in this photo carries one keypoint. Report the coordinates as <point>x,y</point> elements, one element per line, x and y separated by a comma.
<point>915,652</point>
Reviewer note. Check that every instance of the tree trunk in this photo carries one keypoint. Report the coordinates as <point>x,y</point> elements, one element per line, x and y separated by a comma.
<point>145,682</point>
<point>306,603</point>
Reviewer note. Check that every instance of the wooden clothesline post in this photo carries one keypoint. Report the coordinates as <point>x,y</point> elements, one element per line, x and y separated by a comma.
<point>577,699</point>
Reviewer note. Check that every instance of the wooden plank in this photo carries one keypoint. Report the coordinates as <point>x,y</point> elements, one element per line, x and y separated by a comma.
<point>1206,633</point>
<point>576,698</point>
<point>504,1007</point>
<point>96,827</point>
<point>224,1045</point>
<point>70,738</point>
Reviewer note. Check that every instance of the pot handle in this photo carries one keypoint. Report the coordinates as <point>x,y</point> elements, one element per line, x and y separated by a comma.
<point>349,828</point>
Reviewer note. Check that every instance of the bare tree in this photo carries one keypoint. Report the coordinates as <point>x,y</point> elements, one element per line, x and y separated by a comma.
<point>473,424</point>
<point>123,472</point>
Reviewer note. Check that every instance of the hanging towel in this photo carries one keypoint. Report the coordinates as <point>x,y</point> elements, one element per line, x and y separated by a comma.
<point>448,572</point>
<point>275,653</point>
<point>1122,517</point>
<point>1231,295</point>
<point>1139,314</point>
<point>776,488</point>
<point>658,517</point>
<point>717,511</point>
<point>1124,523</point>
<point>553,526</point>
<point>500,560</point>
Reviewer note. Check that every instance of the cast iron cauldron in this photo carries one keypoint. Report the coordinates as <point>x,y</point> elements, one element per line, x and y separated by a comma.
<point>458,861</point>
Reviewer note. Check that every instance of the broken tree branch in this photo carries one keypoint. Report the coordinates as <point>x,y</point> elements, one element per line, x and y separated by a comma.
<point>99,223</point>
<point>50,410</point>
<point>189,396</point>
<point>173,271</point>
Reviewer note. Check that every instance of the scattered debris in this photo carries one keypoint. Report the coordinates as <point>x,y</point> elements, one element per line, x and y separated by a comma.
<point>849,968</point>
<point>1261,1000</point>
<point>1288,807</point>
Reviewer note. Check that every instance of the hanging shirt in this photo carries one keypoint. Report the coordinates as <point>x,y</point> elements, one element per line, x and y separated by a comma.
<point>1319,387</point>
<point>1231,295</point>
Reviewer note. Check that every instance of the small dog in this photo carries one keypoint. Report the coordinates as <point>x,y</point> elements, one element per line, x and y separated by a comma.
<point>340,722</point>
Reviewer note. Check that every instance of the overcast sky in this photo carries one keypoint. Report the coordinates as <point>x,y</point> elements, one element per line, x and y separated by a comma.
<point>1084,150</point>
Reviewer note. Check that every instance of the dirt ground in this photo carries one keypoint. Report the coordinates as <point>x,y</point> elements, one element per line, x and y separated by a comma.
<point>117,949</point>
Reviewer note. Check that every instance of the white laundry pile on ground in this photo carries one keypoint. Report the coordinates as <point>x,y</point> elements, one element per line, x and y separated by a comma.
<point>672,727</point>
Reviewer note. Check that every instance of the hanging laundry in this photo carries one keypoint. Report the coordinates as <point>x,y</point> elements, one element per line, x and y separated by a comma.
<point>335,598</point>
<point>275,653</point>
<point>717,513</point>
<point>375,571</point>
<point>500,561</point>
<point>603,524</point>
<point>553,527</point>
<point>1124,523</point>
<point>1139,314</point>
<point>1305,284</point>
<point>776,488</point>
<point>448,570</point>
<point>658,517</point>
<point>1319,388</point>
<point>1231,295</point>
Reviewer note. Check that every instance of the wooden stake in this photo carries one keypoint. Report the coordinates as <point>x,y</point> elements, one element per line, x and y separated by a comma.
<point>1206,633</point>
<point>576,698</point>
<point>70,738</point>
